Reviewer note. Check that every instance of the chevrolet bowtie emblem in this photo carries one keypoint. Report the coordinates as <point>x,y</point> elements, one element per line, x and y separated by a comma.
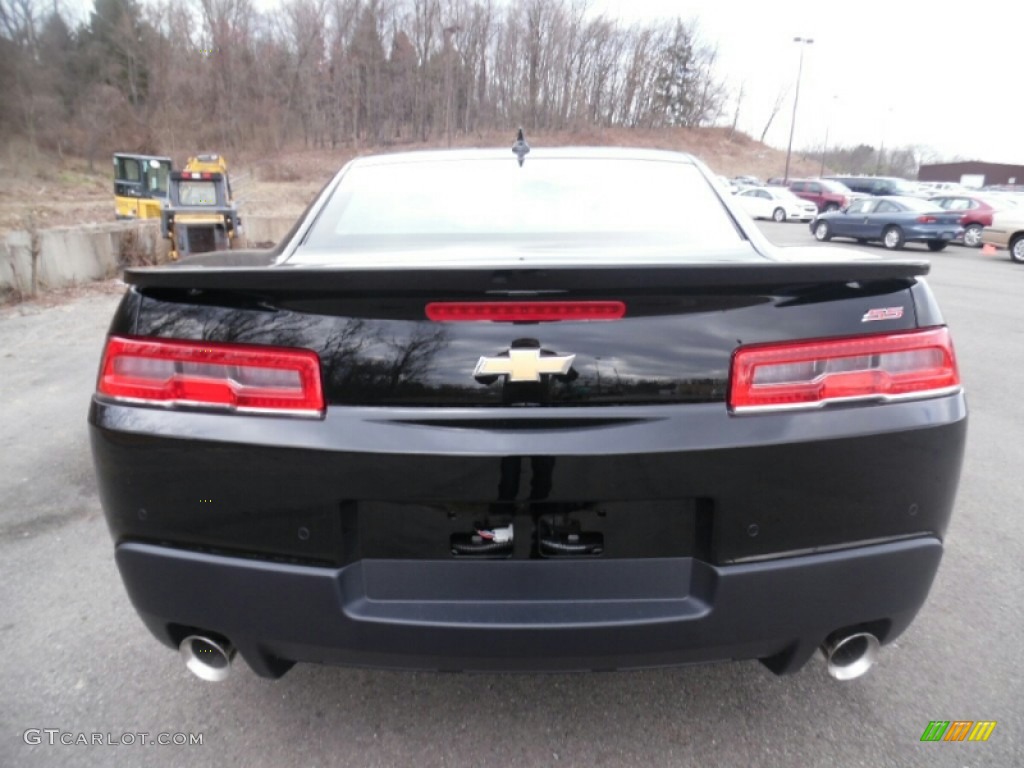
<point>524,365</point>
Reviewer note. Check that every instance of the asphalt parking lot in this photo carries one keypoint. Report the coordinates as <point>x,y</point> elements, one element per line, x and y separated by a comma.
<point>75,657</point>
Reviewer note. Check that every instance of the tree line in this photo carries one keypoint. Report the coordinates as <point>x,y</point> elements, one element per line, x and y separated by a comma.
<point>868,160</point>
<point>177,75</point>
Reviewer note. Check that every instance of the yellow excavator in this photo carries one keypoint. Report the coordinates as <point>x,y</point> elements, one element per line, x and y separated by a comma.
<point>200,214</point>
<point>140,185</point>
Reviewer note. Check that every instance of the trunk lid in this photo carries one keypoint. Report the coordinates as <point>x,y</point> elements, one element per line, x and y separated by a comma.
<point>377,345</point>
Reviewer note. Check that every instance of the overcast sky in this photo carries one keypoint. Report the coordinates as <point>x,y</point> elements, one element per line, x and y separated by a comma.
<point>949,75</point>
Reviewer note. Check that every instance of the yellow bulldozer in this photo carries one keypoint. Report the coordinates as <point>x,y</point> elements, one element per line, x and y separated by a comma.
<point>200,214</point>
<point>140,185</point>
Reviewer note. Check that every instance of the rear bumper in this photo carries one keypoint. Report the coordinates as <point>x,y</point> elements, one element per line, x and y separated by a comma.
<point>926,232</point>
<point>997,237</point>
<point>529,615</point>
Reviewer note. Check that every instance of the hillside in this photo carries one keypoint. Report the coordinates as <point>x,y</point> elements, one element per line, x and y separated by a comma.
<point>48,191</point>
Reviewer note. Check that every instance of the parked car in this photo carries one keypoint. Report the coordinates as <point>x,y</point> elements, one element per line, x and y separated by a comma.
<point>480,411</point>
<point>945,187</point>
<point>826,195</point>
<point>976,214</point>
<point>879,186</point>
<point>1007,231</point>
<point>732,185</point>
<point>894,221</point>
<point>776,203</point>
<point>748,181</point>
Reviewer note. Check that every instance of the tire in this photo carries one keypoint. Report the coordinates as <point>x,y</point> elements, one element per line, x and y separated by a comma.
<point>893,239</point>
<point>822,232</point>
<point>831,207</point>
<point>936,245</point>
<point>778,215</point>
<point>972,236</point>
<point>1017,249</point>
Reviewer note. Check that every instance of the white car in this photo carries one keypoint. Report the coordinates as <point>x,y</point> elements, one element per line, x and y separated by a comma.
<point>946,188</point>
<point>776,203</point>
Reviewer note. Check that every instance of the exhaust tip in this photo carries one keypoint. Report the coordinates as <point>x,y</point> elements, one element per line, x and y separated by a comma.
<point>849,656</point>
<point>206,658</point>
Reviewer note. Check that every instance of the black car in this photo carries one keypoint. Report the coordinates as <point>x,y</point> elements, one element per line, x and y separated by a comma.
<point>480,411</point>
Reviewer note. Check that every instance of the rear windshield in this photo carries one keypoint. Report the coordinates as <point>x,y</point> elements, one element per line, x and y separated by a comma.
<point>197,193</point>
<point>919,204</point>
<point>551,199</point>
<point>903,187</point>
<point>785,194</point>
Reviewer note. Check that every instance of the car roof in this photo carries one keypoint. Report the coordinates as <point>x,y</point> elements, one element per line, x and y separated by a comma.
<point>900,198</point>
<point>867,178</point>
<point>596,153</point>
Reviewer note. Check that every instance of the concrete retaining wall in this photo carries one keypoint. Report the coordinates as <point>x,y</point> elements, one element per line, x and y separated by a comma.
<point>63,256</point>
<point>261,231</point>
<point>66,256</point>
<point>16,263</point>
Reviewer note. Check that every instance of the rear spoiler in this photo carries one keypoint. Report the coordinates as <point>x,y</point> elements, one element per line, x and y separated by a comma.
<point>257,271</point>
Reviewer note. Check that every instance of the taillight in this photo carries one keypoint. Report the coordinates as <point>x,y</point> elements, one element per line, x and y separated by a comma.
<point>810,374</point>
<point>236,377</point>
<point>926,219</point>
<point>524,311</point>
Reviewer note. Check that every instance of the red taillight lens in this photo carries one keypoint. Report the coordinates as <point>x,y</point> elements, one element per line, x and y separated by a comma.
<point>926,219</point>
<point>809,374</point>
<point>524,311</point>
<point>236,377</point>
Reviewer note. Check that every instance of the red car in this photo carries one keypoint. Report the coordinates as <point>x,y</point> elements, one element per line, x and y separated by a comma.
<point>827,195</point>
<point>977,215</point>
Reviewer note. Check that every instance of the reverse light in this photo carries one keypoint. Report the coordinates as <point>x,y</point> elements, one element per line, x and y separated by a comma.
<point>811,374</point>
<point>524,311</point>
<point>926,219</point>
<point>235,377</point>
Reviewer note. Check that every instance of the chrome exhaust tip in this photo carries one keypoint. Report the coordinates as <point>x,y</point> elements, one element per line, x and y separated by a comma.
<point>206,658</point>
<point>847,657</point>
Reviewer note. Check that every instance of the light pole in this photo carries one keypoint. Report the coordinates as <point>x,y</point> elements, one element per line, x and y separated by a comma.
<point>796,99</point>
<point>828,125</point>
<point>881,143</point>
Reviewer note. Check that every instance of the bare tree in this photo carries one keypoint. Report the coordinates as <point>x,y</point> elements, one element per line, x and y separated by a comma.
<point>780,99</point>
<point>739,105</point>
<point>177,75</point>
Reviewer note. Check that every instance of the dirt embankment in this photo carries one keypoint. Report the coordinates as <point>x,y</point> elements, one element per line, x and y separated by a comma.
<point>42,190</point>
